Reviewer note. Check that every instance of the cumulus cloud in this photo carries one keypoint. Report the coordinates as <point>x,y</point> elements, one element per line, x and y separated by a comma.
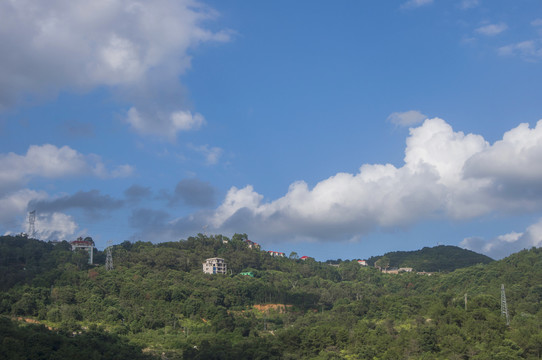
<point>55,226</point>
<point>415,3</point>
<point>530,50</point>
<point>194,192</point>
<point>407,118</point>
<point>506,244</point>
<point>139,49</point>
<point>50,161</point>
<point>446,174</point>
<point>164,125</point>
<point>491,29</point>
<point>15,204</point>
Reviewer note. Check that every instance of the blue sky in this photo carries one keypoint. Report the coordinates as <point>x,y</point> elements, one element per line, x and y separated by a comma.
<point>333,129</point>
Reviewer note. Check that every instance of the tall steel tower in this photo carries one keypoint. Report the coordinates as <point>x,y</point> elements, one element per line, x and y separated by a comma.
<point>109,257</point>
<point>504,307</point>
<point>32,223</point>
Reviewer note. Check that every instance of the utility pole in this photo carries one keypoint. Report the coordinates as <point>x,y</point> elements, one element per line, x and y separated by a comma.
<point>504,307</point>
<point>109,257</point>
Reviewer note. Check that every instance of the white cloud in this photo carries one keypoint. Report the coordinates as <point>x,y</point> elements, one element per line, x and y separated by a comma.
<point>468,4</point>
<point>536,22</point>
<point>529,50</point>
<point>415,3</point>
<point>491,29</point>
<point>407,118</point>
<point>446,174</point>
<point>55,226</point>
<point>517,157</point>
<point>50,161</point>
<point>138,48</point>
<point>506,244</point>
<point>15,204</point>
<point>211,154</point>
<point>164,125</point>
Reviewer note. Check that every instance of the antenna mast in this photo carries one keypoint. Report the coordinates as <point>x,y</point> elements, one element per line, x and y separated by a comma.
<point>504,307</point>
<point>32,223</point>
<point>109,258</point>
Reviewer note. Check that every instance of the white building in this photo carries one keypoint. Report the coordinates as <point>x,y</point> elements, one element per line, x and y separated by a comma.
<point>215,266</point>
<point>87,245</point>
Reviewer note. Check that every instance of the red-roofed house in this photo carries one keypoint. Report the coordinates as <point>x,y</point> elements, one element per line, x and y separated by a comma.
<point>305,257</point>
<point>87,245</point>
<point>252,244</point>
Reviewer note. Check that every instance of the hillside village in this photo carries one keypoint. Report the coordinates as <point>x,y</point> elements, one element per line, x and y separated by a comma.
<point>217,265</point>
<point>157,302</point>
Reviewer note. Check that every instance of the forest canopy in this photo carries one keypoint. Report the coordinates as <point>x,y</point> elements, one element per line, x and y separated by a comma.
<point>157,302</point>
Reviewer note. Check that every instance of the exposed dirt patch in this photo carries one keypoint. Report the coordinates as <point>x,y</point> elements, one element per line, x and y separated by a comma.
<point>281,308</point>
<point>31,321</point>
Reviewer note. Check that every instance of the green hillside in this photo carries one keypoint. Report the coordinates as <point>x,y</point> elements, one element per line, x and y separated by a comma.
<point>438,258</point>
<point>157,303</point>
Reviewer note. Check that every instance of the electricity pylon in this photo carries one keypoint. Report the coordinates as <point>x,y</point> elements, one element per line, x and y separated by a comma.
<point>109,257</point>
<point>504,307</point>
<point>32,224</point>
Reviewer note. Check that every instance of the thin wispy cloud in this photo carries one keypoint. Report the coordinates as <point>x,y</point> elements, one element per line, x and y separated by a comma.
<point>530,50</point>
<point>491,29</point>
<point>407,118</point>
<point>469,4</point>
<point>416,3</point>
<point>212,154</point>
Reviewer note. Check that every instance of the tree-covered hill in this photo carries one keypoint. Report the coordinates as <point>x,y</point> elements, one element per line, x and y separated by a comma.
<point>157,302</point>
<point>438,258</point>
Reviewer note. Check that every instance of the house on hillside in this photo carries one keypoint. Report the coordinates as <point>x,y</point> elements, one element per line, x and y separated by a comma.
<point>215,266</point>
<point>86,244</point>
<point>363,263</point>
<point>305,258</point>
<point>390,271</point>
<point>276,253</point>
<point>252,244</point>
<point>396,270</point>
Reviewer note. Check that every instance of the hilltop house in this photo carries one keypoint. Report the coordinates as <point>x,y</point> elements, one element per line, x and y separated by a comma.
<point>276,253</point>
<point>363,263</point>
<point>215,266</point>
<point>86,244</point>
<point>252,244</point>
<point>305,258</point>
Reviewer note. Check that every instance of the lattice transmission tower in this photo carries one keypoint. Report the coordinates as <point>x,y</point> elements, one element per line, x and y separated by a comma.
<point>31,224</point>
<point>504,307</point>
<point>109,257</point>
